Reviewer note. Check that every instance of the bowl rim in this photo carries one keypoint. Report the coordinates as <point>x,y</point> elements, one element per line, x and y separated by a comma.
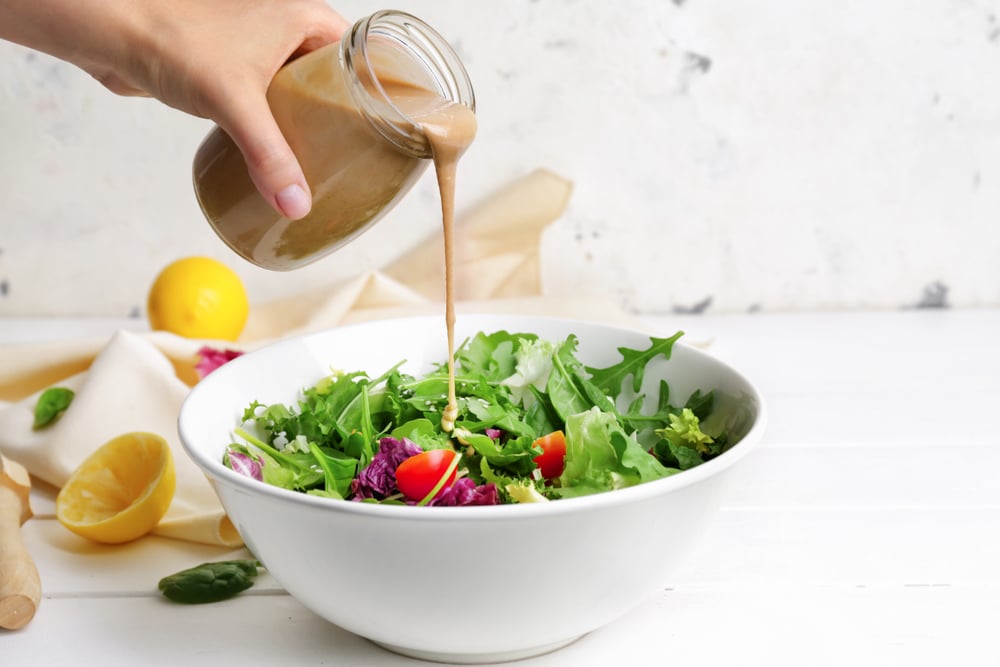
<point>607,499</point>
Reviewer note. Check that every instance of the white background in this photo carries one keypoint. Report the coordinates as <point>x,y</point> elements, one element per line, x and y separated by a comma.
<point>768,156</point>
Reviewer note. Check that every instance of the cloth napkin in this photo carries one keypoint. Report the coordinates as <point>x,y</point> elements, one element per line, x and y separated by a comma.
<point>136,381</point>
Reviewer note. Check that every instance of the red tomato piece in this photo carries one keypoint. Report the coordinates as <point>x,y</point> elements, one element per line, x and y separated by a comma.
<point>418,475</point>
<point>552,460</point>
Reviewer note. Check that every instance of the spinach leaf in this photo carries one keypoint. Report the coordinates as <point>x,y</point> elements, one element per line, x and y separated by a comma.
<point>570,389</point>
<point>338,470</point>
<point>50,406</point>
<point>209,582</point>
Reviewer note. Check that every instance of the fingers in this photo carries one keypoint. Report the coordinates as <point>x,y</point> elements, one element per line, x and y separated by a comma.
<point>271,163</point>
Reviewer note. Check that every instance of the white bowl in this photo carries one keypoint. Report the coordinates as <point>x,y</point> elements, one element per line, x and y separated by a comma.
<point>465,584</point>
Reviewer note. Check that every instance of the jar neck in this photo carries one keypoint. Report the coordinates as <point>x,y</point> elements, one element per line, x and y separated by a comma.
<point>397,45</point>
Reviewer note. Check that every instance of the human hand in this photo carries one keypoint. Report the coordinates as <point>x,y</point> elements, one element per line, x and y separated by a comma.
<point>211,59</point>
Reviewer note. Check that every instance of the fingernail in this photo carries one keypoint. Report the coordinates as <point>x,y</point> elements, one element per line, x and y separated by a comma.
<point>293,202</point>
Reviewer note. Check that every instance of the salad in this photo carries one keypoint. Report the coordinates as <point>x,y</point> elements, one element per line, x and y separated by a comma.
<point>534,424</point>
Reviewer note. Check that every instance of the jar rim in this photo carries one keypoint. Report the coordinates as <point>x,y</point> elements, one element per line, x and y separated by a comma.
<point>421,44</point>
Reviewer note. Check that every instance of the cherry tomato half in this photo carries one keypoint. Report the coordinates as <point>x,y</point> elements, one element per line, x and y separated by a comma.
<point>552,460</point>
<point>419,474</point>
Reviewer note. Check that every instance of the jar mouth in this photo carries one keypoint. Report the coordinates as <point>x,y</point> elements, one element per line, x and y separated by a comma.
<point>394,43</point>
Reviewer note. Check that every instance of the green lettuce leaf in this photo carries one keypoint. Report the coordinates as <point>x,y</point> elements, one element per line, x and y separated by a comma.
<point>601,456</point>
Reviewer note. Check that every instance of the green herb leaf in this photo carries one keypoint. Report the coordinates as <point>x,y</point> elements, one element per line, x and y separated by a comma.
<point>209,582</point>
<point>338,470</point>
<point>51,404</point>
<point>633,363</point>
<point>567,398</point>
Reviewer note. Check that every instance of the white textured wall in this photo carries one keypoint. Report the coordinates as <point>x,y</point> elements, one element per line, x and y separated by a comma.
<point>774,155</point>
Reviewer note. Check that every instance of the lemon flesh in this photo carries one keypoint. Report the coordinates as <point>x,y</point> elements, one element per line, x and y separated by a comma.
<point>121,491</point>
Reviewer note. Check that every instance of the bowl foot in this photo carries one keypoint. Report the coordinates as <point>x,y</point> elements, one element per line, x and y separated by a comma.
<point>475,658</point>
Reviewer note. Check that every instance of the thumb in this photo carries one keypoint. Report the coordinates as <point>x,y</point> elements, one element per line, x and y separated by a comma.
<point>272,165</point>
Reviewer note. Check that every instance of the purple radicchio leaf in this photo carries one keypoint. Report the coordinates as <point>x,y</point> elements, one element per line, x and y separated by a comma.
<point>465,492</point>
<point>210,358</point>
<point>378,480</point>
<point>493,433</point>
<point>247,465</point>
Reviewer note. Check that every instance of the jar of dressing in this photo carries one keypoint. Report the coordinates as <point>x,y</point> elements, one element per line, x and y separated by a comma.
<point>355,115</point>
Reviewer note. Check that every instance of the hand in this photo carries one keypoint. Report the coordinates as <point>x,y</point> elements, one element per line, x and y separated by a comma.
<point>210,58</point>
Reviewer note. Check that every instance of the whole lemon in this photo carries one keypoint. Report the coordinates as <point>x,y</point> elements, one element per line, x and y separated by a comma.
<point>198,297</point>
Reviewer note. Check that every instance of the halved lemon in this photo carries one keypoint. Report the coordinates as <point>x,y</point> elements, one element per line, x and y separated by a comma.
<point>121,491</point>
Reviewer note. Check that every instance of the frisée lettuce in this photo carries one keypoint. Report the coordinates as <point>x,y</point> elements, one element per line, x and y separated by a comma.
<point>526,405</point>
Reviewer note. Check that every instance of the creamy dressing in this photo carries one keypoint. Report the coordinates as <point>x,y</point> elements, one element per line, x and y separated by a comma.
<point>355,175</point>
<point>450,129</point>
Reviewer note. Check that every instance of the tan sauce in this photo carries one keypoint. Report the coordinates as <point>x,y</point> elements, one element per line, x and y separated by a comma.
<point>450,129</point>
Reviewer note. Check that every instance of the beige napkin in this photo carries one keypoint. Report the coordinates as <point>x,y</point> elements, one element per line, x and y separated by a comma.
<point>130,386</point>
<point>137,381</point>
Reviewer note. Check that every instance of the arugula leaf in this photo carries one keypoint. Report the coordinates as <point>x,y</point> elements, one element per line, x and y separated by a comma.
<point>634,419</point>
<point>634,362</point>
<point>51,404</point>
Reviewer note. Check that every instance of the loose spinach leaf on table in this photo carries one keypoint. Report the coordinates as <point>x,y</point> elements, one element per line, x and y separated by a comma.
<point>209,582</point>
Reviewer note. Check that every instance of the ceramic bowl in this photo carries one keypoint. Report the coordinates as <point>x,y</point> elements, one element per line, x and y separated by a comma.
<point>465,584</point>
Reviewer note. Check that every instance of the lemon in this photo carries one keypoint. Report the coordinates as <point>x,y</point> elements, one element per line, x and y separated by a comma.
<point>121,491</point>
<point>198,297</point>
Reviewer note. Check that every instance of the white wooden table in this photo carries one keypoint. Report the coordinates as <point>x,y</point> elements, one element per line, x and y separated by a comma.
<point>864,531</point>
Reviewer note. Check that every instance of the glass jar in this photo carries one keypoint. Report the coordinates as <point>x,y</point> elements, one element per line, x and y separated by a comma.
<point>343,110</point>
